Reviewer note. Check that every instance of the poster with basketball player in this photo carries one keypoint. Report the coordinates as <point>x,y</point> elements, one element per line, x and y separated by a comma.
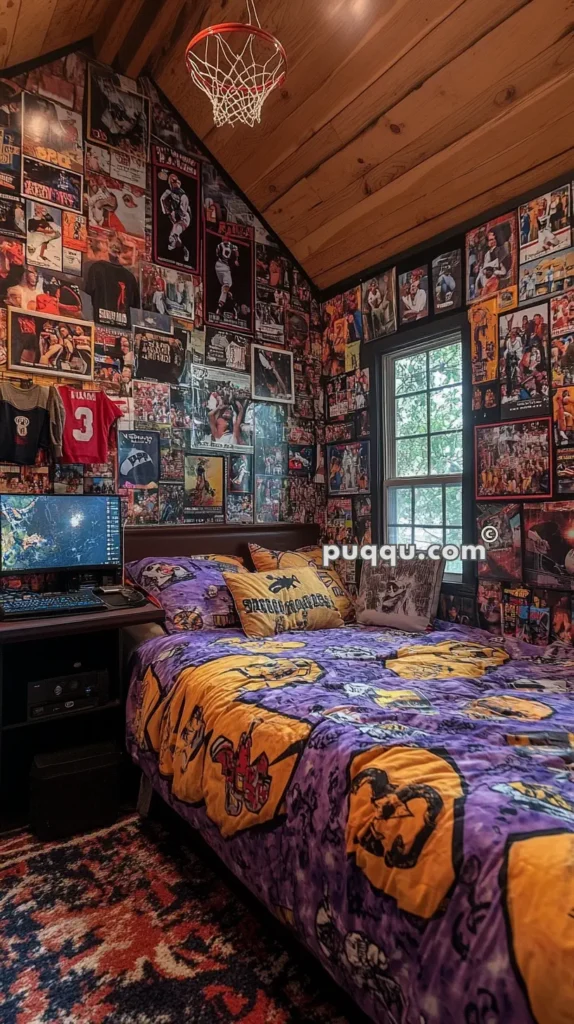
<point>224,348</point>
<point>117,116</point>
<point>563,412</point>
<point>513,460</point>
<point>447,281</point>
<point>272,378</point>
<point>113,205</point>
<point>413,295</point>
<point>176,208</point>
<point>483,320</point>
<point>491,259</point>
<point>138,460</point>
<point>240,473</point>
<point>523,361</point>
<point>204,487</point>
<point>545,224</point>
<point>43,236</point>
<point>52,133</point>
<point>504,553</point>
<point>348,468</point>
<point>549,545</point>
<point>229,285</point>
<point>167,292</point>
<point>379,304</point>
<point>221,409</point>
<point>548,275</point>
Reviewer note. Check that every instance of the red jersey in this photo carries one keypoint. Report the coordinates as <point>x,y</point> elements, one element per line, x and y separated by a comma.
<point>89,416</point>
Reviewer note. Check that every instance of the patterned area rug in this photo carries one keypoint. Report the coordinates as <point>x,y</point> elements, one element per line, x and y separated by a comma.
<point>131,926</point>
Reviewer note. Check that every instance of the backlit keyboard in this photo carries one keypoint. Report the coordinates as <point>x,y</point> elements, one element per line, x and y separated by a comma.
<point>21,605</point>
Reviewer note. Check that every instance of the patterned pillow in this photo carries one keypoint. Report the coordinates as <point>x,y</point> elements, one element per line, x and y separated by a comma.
<point>191,591</point>
<point>277,602</point>
<point>403,597</point>
<point>266,559</point>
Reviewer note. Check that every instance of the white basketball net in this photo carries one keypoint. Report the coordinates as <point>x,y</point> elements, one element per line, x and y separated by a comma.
<point>237,71</point>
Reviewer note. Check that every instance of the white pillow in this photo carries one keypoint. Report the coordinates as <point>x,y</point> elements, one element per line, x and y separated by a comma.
<point>402,597</point>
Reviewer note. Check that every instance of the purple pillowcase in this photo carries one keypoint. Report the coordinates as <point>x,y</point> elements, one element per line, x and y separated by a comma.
<point>191,591</point>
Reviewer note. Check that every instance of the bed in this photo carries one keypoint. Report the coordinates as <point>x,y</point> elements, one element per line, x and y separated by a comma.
<point>403,802</point>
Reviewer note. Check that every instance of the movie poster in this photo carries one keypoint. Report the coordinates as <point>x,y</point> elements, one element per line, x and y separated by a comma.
<point>229,292</point>
<point>379,305</point>
<point>489,602</point>
<point>272,378</point>
<point>348,467</point>
<point>523,361</point>
<point>159,357</point>
<point>491,260</point>
<point>545,224</point>
<point>499,529</point>
<point>176,210</point>
<point>514,460</point>
<point>138,460</point>
<point>486,402</point>
<point>167,292</point>
<point>114,205</point>
<point>221,409</point>
<point>483,319</point>
<point>413,295</point>
<point>51,184</point>
<point>152,406</point>
<point>549,545</point>
<point>10,136</point>
<point>335,336</point>
<point>562,314</point>
<point>204,489</point>
<point>447,281</point>
<point>565,471</point>
<point>226,349</point>
<point>43,236</point>
<point>116,117</point>
<point>171,503</point>
<point>563,412</point>
<point>57,346</point>
<point>51,133</point>
<point>548,275</point>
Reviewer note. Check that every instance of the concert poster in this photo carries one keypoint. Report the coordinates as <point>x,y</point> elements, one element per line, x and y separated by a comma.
<point>379,305</point>
<point>513,460</point>
<point>348,468</point>
<point>447,281</point>
<point>50,184</point>
<point>503,553</point>
<point>204,485</point>
<point>491,261</point>
<point>523,362</point>
<point>221,409</point>
<point>176,210</point>
<point>229,283</point>
<point>544,224</point>
<point>51,133</point>
<point>549,545</point>
<point>483,320</point>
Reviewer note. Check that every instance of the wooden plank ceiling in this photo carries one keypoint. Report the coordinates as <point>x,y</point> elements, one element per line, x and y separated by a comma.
<point>399,119</point>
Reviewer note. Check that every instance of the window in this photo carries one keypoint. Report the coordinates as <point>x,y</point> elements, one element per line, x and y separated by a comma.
<point>424,446</point>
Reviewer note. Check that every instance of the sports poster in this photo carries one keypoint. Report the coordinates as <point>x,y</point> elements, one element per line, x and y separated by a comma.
<point>447,281</point>
<point>301,460</point>
<point>58,346</point>
<point>158,357</point>
<point>347,393</point>
<point>548,545</point>
<point>140,507</point>
<point>513,460</point>
<point>563,413</point>
<point>335,337</point>
<point>352,313</point>
<point>544,224</point>
<point>348,468</point>
<point>483,319</point>
<point>10,136</point>
<point>171,503</point>
<point>562,313</point>
<point>379,304</point>
<point>523,358</point>
<point>51,133</point>
<point>547,275</point>
<point>488,603</point>
<point>565,471</point>
<point>221,409</point>
<point>44,291</point>
<point>486,402</point>
<point>116,163</point>
<point>228,276</point>
<point>297,330</point>
<point>152,406</point>
<point>492,260</point>
<point>240,473</point>
<point>114,205</point>
<point>504,553</point>
<point>74,242</point>
<point>180,413</point>
<point>272,377</point>
<point>171,460</point>
<point>176,210</point>
<point>273,293</point>
<point>239,508</point>
<point>12,216</point>
<point>51,184</point>
<point>138,460</point>
<point>362,518</point>
<point>413,295</point>
<point>117,117</point>
<point>271,496</point>
<point>193,341</point>
<point>167,292</point>
<point>226,349</point>
<point>204,483</point>
<point>300,290</point>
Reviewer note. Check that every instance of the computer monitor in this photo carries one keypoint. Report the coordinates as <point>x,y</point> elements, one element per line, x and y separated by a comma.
<point>52,532</point>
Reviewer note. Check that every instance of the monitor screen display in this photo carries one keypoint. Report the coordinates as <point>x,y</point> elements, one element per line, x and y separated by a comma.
<point>49,532</point>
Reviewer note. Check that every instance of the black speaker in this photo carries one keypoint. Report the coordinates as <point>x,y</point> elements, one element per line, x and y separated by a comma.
<point>74,791</point>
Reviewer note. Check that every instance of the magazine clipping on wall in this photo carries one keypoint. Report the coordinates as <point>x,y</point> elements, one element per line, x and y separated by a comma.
<point>43,236</point>
<point>447,281</point>
<point>362,518</point>
<point>204,488</point>
<point>221,409</point>
<point>118,117</point>
<point>273,293</point>
<point>158,357</point>
<point>523,360</point>
<point>483,320</point>
<point>171,503</point>
<point>339,521</point>
<point>226,349</point>
<point>129,167</point>
<point>347,393</point>
<point>565,471</point>
<point>138,460</point>
<point>562,360</point>
<point>152,406</point>
<point>10,136</point>
<point>548,275</point>
<point>46,291</point>
<point>12,216</point>
<point>562,313</point>
<point>229,291</point>
<point>53,345</point>
<point>348,468</point>
<point>297,336</point>
<point>491,261</point>
<point>114,205</point>
<point>270,499</point>
<point>363,423</point>
<point>52,133</point>
<point>335,335</point>
<point>300,291</point>
<point>239,499</point>
<point>548,545</point>
<point>486,402</point>
<point>50,184</point>
<point>272,377</point>
<point>514,460</point>
<point>176,209</point>
<point>413,295</point>
<point>379,305</point>
<point>167,292</point>
<point>545,224</point>
<point>504,553</point>
<point>301,460</point>
<point>171,460</point>
<point>563,412</point>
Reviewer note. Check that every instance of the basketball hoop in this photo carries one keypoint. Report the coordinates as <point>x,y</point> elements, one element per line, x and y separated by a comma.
<point>236,65</point>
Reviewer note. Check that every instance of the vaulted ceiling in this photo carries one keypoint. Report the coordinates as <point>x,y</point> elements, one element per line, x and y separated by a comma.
<point>399,119</point>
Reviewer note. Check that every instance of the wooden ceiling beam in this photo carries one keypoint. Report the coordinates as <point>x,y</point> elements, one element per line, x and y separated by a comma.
<point>154,23</point>
<point>117,22</point>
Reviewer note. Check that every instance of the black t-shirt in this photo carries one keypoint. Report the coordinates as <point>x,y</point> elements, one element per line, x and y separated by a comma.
<point>22,432</point>
<point>158,360</point>
<point>114,291</point>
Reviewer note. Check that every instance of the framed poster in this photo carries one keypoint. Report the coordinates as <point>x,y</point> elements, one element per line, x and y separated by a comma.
<point>348,468</point>
<point>545,224</point>
<point>204,483</point>
<point>221,409</point>
<point>492,260</point>
<point>523,361</point>
<point>58,346</point>
<point>447,281</point>
<point>117,117</point>
<point>229,285</point>
<point>379,303</point>
<point>114,205</point>
<point>168,292</point>
<point>413,295</point>
<point>513,460</point>
<point>176,209</point>
<point>52,133</point>
<point>272,378</point>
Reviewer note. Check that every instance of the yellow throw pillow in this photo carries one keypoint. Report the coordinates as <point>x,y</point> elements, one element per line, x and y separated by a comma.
<point>278,602</point>
<point>266,559</point>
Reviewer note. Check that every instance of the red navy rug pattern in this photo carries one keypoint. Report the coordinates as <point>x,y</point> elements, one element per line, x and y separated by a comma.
<point>129,924</point>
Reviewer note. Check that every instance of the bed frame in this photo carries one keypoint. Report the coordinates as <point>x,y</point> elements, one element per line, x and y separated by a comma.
<point>171,541</point>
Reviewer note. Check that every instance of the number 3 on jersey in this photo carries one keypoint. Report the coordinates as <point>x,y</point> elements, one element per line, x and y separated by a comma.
<point>85,417</point>
<point>89,416</point>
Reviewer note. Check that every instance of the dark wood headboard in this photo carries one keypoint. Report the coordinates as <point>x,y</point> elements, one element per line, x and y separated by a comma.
<point>166,541</point>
